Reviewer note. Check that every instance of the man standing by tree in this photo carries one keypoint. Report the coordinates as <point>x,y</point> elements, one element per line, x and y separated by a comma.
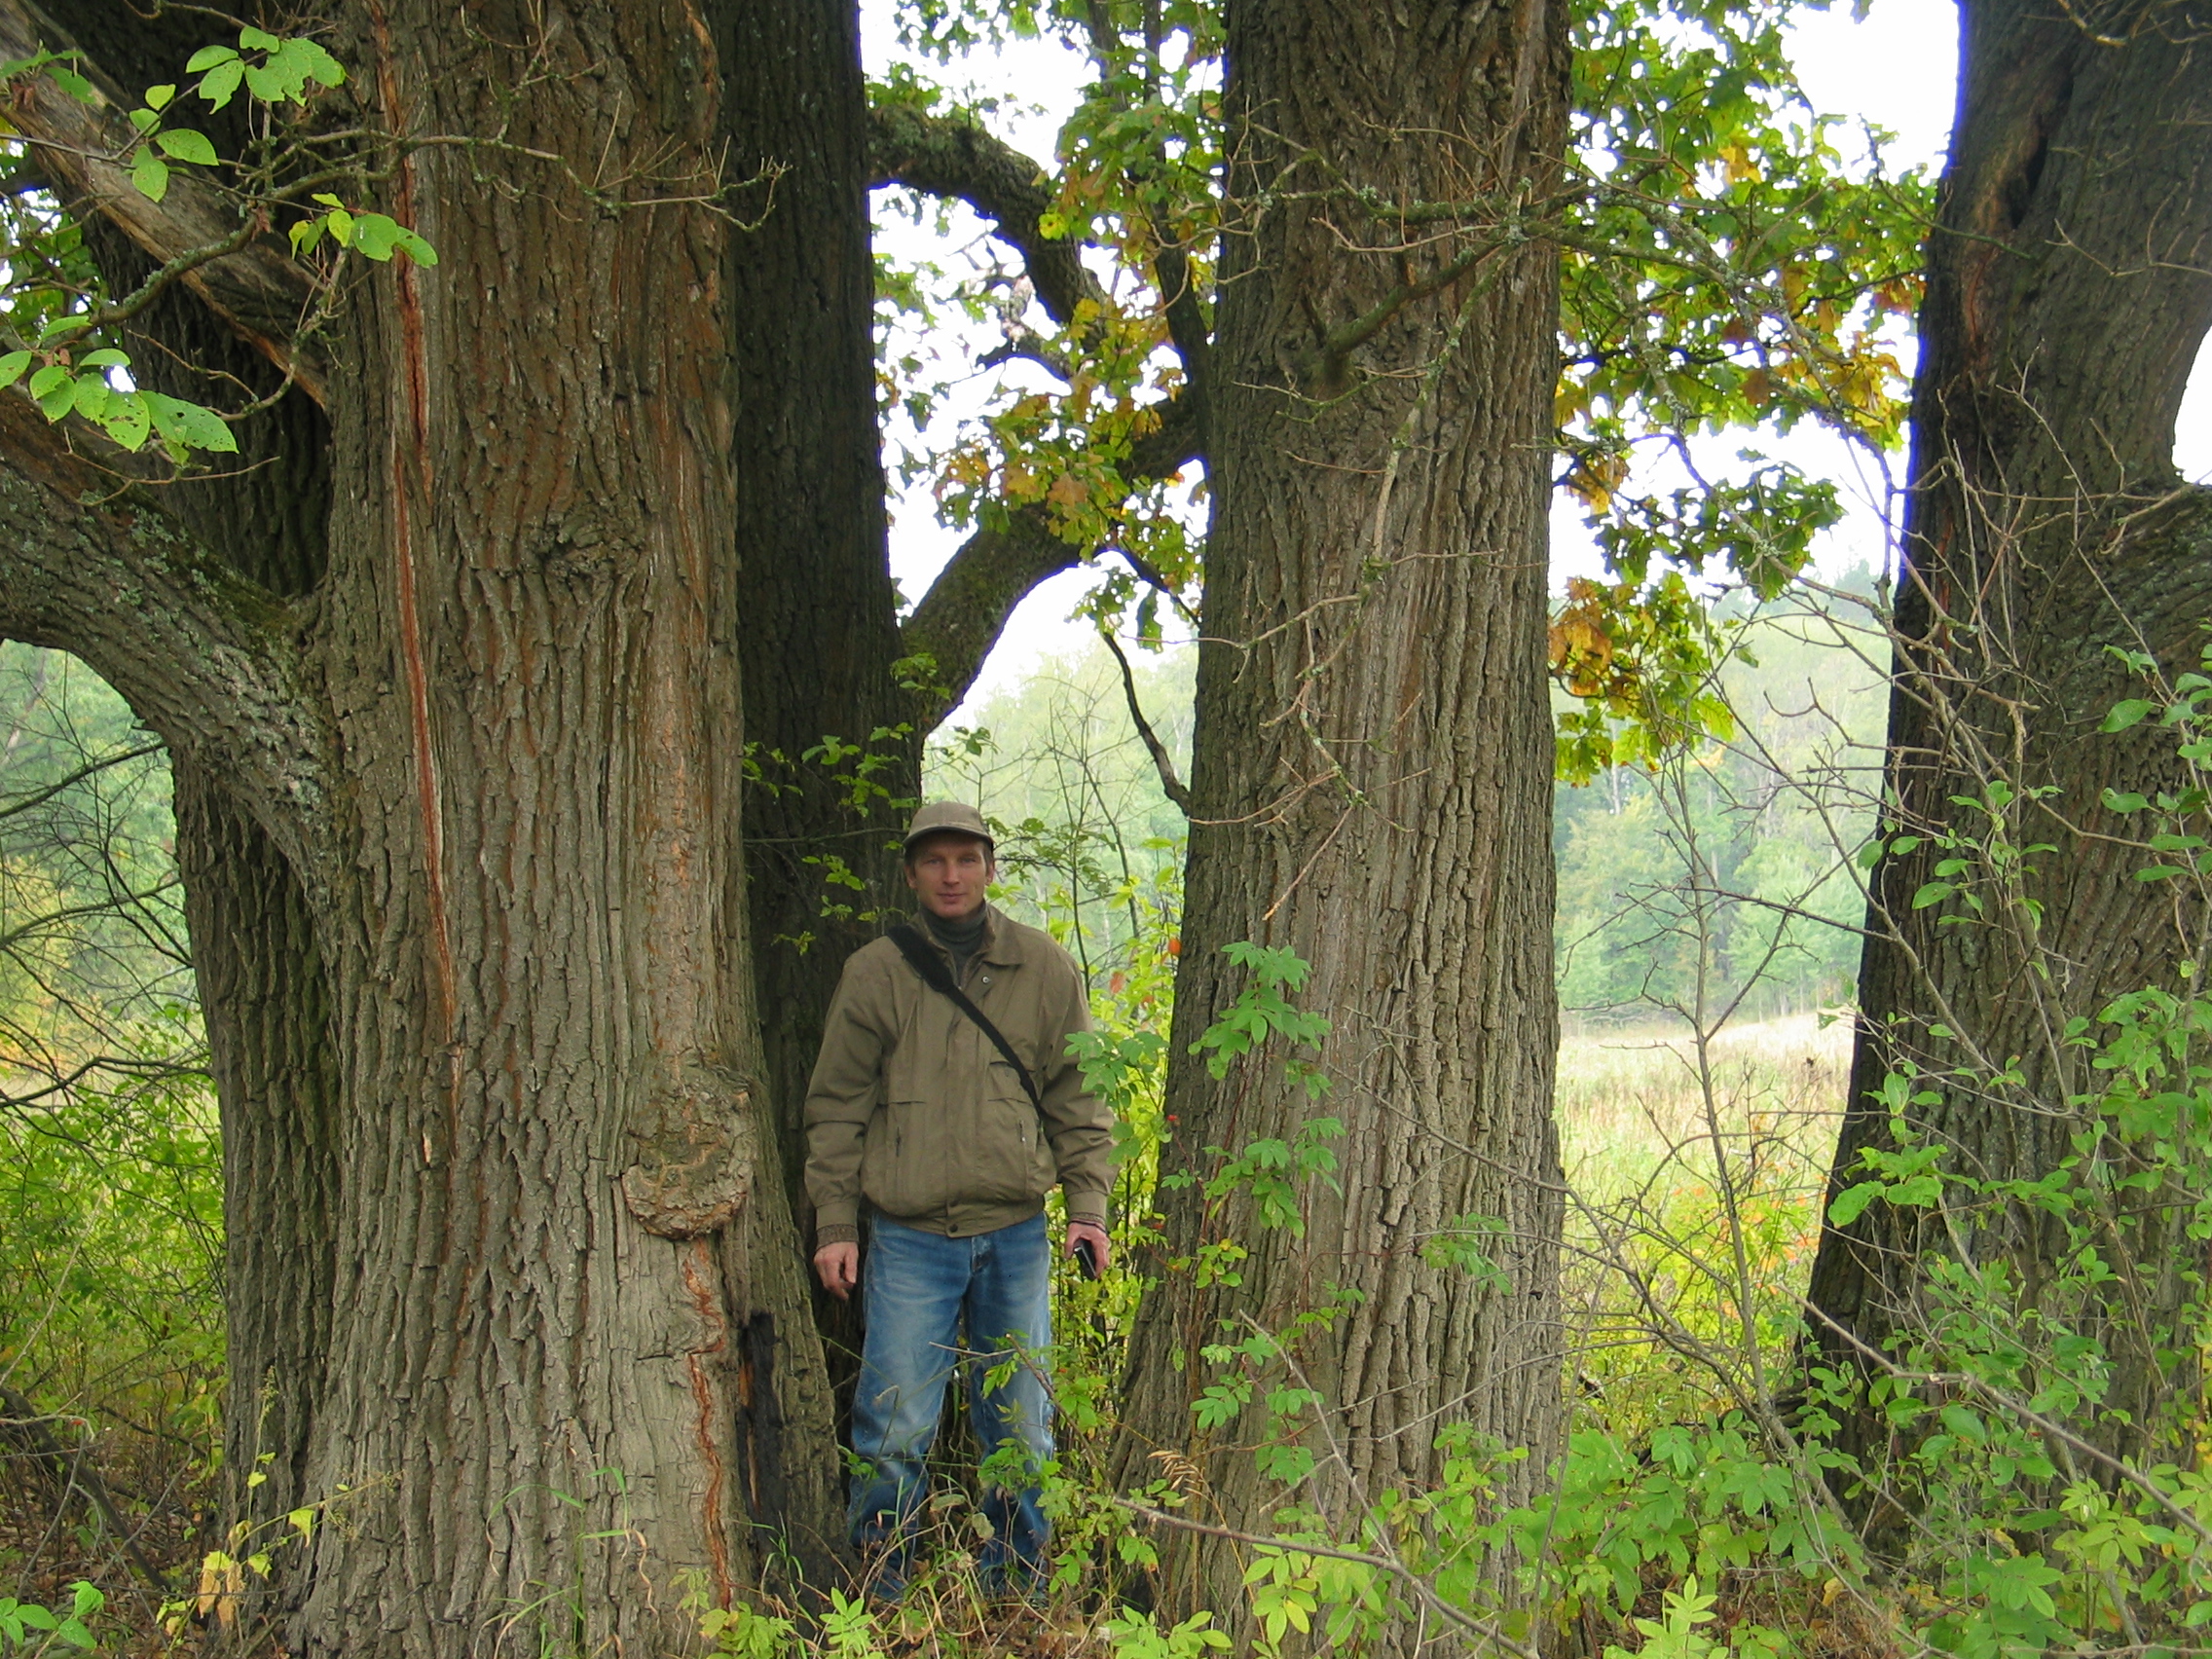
<point>946,1096</point>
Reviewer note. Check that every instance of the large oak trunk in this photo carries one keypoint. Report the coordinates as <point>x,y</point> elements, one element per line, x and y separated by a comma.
<point>572,1355</point>
<point>2069,285</point>
<point>1372,777</point>
<point>517,1302</point>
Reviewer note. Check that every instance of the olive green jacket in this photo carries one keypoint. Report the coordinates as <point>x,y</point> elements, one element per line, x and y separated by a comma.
<point>913,1108</point>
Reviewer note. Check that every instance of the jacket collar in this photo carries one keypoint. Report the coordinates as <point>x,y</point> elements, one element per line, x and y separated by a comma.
<point>1002,942</point>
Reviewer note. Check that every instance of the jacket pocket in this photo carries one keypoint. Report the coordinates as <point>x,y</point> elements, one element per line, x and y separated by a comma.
<point>1012,1167</point>
<point>889,1159</point>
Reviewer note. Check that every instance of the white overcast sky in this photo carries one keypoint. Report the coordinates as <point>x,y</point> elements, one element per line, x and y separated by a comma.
<point>1896,70</point>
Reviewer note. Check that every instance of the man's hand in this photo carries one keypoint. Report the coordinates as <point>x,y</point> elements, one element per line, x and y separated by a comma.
<point>838,1265</point>
<point>1102,1247</point>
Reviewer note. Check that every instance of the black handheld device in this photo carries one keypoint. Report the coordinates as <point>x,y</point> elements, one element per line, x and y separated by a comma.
<point>1087,1258</point>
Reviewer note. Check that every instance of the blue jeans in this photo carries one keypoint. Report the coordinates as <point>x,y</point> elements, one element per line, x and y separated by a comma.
<point>918,1290</point>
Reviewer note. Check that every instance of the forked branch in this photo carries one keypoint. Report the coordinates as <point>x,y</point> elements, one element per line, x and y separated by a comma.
<point>945,155</point>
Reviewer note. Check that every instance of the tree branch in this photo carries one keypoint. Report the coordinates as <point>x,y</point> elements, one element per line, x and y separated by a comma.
<point>1162,762</point>
<point>965,608</point>
<point>945,155</point>
<point>1179,439</point>
<point>1187,328</point>
<point>255,286</point>
<point>92,564</point>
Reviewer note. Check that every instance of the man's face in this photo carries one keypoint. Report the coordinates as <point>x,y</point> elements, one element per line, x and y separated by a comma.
<point>950,871</point>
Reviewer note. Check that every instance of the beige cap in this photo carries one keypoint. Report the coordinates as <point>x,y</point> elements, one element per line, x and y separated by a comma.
<point>954,817</point>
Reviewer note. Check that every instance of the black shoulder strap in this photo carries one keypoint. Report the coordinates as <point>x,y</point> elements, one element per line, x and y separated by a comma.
<point>931,967</point>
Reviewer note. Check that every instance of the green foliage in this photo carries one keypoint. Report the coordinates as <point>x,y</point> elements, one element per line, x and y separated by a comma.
<point>1721,873</point>
<point>849,1628</point>
<point>1262,1010</point>
<point>1733,275</point>
<point>740,1633</point>
<point>1138,1636</point>
<point>52,296</point>
<point>62,386</point>
<point>28,1629</point>
<point>275,70</point>
<point>1676,1634</point>
<point>1089,847</point>
<point>373,236</point>
<point>1727,270</point>
<point>110,1165</point>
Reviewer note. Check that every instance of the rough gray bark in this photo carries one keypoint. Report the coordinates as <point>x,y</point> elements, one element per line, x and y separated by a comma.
<point>2069,286</point>
<point>263,985</point>
<point>496,743</point>
<point>1372,777</point>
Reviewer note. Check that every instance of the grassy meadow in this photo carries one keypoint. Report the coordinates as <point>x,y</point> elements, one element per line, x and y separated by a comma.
<point>1664,1142</point>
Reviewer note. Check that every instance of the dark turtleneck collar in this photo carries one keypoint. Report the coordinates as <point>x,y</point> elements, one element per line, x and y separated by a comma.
<point>962,939</point>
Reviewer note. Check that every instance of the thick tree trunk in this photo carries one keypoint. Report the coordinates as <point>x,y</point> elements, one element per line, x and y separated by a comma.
<point>2069,285</point>
<point>562,1251</point>
<point>478,966</point>
<point>1371,778</point>
<point>261,982</point>
<point>822,615</point>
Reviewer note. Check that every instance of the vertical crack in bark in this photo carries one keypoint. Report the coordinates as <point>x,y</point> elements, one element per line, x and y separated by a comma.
<point>707,1298</point>
<point>416,367</point>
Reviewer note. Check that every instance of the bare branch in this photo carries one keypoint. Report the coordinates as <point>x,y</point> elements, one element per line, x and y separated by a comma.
<point>90,564</point>
<point>1162,762</point>
<point>243,275</point>
<point>63,785</point>
<point>1026,343</point>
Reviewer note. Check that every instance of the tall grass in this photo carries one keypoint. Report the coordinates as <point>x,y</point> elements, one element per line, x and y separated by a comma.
<point>1697,1170</point>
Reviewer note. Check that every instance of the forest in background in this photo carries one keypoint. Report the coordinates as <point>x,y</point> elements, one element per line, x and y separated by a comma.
<point>1769,818</point>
